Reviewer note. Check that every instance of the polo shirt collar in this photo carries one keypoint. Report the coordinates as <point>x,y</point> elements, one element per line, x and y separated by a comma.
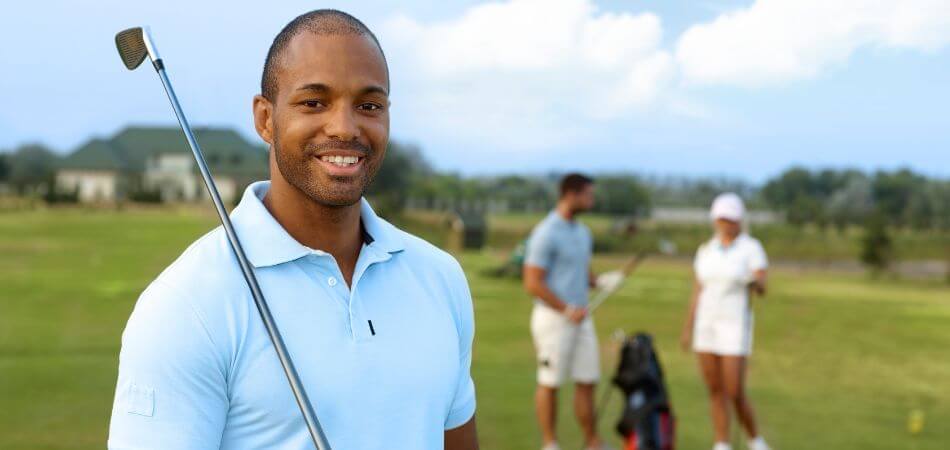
<point>267,243</point>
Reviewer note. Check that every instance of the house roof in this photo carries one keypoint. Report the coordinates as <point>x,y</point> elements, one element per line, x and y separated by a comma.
<point>225,151</point>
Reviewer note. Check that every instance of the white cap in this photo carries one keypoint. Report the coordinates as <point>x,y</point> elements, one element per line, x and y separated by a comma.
<point>727,206</point>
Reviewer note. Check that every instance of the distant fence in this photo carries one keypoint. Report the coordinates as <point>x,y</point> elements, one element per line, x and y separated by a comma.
<point>701,215</point>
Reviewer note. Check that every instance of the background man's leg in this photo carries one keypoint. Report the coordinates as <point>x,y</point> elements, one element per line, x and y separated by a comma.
<point>586,414</point>
<point>545,402</point>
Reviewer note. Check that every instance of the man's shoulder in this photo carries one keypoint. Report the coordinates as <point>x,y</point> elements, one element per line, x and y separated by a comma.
<point>207,269</point>
<point>544,229</point>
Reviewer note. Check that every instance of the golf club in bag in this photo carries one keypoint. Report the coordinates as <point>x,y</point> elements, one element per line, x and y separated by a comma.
<point>647,422</point>
<point>134,45</point>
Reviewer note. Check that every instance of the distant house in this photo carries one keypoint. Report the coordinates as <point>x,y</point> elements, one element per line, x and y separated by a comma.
<point>156,162</point>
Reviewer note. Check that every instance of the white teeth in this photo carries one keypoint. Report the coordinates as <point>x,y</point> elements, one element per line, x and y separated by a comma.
<point>341,161</point>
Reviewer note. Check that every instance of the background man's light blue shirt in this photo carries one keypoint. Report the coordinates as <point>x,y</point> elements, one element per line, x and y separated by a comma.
<point>197,370</point>
<point>563,249</point>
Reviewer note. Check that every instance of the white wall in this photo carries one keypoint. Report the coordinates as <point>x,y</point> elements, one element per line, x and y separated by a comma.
<point>92,186</point>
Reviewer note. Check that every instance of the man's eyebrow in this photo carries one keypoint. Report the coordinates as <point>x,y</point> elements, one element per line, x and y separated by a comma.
<point>374,89</point>
<point>322,88</point>
<point>317,87</point>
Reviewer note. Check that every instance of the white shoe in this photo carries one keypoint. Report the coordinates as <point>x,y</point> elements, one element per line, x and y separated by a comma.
<point>551,446</point>
<point>722,446</point>
<point>758,444</point>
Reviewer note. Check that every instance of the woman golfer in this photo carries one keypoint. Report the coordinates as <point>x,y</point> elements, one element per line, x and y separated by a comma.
<point>728,269</point>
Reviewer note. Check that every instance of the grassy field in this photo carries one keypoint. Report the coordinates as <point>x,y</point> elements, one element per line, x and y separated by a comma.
<point>840,360</point>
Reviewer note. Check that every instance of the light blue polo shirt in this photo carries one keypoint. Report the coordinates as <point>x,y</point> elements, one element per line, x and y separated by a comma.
<point>197,370</point>
<point>563,249</point>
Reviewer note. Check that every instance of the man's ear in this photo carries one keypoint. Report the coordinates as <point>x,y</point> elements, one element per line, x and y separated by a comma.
<point>264,118</point>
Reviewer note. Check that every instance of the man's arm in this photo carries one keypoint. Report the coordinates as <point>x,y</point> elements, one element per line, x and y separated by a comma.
<point>462,438</point>
<point>535,284</point>
<point>172,388</point>
<point>459,426</point>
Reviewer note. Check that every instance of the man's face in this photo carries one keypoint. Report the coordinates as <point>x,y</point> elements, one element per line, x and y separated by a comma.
<point>328,124</point>
<point>582,200</point>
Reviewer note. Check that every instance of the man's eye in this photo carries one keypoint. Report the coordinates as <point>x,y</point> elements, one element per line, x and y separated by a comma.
<point>312,103</point>
<point>370,107</point>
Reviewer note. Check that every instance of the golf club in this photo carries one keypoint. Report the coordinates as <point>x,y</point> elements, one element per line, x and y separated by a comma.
<point>664,246</point>
<point>134,45</point>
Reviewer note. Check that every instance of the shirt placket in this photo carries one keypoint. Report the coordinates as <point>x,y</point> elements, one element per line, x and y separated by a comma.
<point>360,328</point>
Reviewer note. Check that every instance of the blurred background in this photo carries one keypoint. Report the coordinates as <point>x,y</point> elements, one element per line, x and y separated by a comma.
<point>828,117</point>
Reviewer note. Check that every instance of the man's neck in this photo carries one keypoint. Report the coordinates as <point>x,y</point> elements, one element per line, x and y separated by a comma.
<point>333,229</point>
<point>564,210</point>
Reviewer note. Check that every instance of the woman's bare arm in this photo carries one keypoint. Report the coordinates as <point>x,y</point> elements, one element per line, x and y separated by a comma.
<point>686,337</point>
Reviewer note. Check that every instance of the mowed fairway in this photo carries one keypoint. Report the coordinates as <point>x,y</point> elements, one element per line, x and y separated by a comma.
<point>840,361</point>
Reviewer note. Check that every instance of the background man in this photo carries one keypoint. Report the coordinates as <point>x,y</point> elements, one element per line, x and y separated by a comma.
<point>557,273</point>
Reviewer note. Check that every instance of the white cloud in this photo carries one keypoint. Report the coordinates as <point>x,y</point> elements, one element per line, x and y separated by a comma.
<point>531,67</point>
<point>774,41</point>
<point>536,74</point>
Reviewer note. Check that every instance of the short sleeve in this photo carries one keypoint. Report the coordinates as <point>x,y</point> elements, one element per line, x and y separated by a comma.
<point>463,403</point>
<point>757,258</point>
<point>540,251</point>
<point>172,389</point>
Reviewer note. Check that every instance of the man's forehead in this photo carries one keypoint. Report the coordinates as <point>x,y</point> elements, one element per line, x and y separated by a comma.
<point>355,55</point>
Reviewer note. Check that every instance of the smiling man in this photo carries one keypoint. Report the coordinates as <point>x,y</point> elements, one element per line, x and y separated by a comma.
<point>378,322</point>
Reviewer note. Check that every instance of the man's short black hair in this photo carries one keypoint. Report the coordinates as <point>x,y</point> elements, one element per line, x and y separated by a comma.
<point>319,21</point>
<point>574,182</point>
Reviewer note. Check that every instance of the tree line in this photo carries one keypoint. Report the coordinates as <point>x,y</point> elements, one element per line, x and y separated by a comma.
<point>840,198</point>
<point>836,198</point>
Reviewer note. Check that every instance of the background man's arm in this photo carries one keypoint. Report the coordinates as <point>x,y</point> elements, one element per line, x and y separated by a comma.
<point>535,284</point>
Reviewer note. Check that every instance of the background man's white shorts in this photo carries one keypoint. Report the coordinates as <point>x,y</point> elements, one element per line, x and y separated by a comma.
<point>552,334</point>
<point>726,337</point>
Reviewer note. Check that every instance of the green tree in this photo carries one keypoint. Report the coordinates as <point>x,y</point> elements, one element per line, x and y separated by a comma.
<point>402,167</point>
<point>894,192</point>
<point>852,203</point>
<point>521,193</point>
<point>799,194</point>
<point>876,244</point>
<point>621,195</point>
<point>31,166</point>
<point>4,166</point>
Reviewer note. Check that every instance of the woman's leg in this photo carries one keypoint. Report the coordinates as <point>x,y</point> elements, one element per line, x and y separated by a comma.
<point>711,367</point>
<point>734,375</point>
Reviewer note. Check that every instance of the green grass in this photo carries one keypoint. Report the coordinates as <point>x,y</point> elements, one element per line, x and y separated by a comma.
<point>840,361</point>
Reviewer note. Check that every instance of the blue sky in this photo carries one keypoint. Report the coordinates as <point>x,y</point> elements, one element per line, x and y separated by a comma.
<point>736,88</point>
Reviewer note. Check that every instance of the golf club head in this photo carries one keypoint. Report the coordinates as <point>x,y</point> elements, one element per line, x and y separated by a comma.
<point>134,44</point>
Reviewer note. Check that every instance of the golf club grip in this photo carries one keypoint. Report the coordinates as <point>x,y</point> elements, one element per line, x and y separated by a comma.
<point>300,395</point>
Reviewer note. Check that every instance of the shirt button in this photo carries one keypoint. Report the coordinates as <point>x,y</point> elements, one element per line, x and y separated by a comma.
<point>331,281</point>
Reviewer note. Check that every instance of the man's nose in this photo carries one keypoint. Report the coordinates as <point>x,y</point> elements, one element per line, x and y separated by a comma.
<point>342,124</point>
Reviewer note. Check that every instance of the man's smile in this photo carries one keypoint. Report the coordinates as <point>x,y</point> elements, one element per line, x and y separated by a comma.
<point>341,163</point>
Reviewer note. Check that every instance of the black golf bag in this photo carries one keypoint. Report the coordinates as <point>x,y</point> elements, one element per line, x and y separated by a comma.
<point>647,422</point>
